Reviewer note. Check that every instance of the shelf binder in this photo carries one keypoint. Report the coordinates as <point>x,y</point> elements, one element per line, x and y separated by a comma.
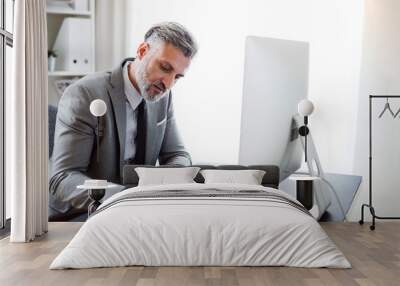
<point>73,45</point>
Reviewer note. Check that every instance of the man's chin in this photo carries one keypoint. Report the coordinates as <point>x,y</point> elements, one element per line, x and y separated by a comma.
<point>153,98</point>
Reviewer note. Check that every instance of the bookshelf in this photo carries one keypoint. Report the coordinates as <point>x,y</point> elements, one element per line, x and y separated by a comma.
<point>57,13</point>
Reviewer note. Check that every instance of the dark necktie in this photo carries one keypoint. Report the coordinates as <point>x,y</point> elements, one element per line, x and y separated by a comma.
<point>140,140</point>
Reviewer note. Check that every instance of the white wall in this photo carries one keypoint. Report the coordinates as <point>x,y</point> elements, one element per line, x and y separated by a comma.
<point>333,29</point>
<point>208,99</point>
<point>110,34</point>
<point>380,74</point>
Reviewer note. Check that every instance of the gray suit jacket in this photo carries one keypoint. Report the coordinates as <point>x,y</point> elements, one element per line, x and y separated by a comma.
<point>75,147</point>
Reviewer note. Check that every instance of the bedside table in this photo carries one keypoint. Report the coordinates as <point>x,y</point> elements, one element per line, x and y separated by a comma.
<point>304,190</point>
<point>95,193</point>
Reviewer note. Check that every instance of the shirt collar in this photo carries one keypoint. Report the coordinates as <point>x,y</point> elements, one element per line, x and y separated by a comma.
<point>132,95</point>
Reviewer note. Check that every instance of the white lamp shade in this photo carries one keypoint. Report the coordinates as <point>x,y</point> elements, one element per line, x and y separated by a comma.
<point>305,107</point>
<point>98,107</point>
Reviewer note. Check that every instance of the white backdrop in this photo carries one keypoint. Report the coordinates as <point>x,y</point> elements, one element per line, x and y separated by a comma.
<point>208,99</point>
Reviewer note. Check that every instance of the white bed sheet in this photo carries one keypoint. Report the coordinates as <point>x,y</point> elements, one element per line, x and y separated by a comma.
<point>200,231</point>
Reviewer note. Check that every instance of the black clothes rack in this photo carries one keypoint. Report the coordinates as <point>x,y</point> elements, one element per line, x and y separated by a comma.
<point>369,205</point>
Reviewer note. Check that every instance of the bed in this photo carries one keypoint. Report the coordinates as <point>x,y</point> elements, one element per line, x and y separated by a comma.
<point>201,224</point>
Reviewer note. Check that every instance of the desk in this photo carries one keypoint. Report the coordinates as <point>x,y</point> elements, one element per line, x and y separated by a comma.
<point>345,185</point>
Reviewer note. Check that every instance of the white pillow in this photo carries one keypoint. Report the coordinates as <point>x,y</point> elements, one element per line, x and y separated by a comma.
<point>163,176</point>
<point>248,177</point>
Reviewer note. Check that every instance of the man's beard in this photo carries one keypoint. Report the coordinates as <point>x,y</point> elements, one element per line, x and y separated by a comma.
<point>145,86</point>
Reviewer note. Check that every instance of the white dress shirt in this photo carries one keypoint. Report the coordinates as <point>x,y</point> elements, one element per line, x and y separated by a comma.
<point>133,100</point>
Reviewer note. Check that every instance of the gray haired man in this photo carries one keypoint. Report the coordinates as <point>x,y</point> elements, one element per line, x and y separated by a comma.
<point>138,128</point>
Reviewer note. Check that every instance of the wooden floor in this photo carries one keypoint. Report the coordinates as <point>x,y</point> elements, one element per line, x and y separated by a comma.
<point>375,257</point>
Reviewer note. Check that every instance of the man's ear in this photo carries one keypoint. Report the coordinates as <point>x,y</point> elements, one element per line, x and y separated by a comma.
<point>142,50</point>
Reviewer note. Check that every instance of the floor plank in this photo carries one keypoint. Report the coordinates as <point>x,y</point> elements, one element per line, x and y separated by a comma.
<point>374,255</point>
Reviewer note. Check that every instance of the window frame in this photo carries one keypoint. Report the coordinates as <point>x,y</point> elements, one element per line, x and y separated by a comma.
<point>6,39</point>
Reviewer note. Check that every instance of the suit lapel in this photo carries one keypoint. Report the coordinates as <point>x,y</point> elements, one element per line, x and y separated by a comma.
<point>155,112</point>
<point>151,121</point>
<point>118,99</point>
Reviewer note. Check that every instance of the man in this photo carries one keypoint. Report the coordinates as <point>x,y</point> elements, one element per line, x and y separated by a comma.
<point>138,128</point>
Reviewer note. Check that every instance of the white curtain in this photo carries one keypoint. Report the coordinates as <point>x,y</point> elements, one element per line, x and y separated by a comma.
<point>26,123</point>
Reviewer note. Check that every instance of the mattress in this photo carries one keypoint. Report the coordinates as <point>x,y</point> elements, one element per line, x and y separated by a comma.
<point>201,225</point>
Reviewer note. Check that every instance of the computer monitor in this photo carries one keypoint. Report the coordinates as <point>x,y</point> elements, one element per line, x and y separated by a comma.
<point>275,80</point>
